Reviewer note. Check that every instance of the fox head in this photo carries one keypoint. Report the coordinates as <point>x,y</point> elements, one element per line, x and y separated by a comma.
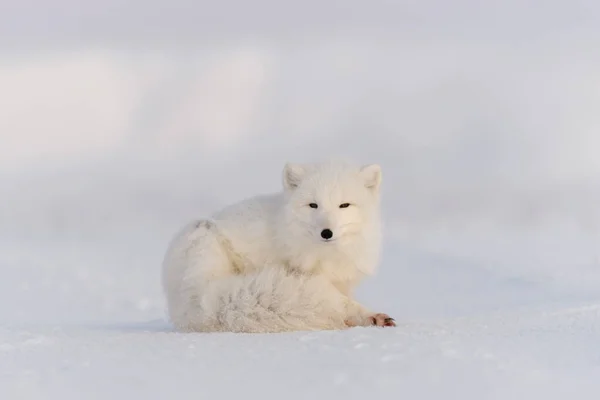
<point>331,204</point>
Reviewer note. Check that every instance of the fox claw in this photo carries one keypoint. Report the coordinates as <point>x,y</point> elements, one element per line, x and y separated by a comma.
<point>383,320</point>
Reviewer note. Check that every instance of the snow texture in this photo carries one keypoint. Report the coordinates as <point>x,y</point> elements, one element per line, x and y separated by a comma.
<point>116,128</point>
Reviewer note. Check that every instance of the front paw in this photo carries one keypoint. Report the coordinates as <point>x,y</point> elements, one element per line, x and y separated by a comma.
<point>382,320</point>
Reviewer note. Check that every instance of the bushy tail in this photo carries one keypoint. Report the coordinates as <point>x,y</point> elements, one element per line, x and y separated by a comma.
<point>268,301</point>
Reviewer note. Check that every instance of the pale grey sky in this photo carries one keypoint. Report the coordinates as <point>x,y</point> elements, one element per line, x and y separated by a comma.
<point>42,23</point>
<point>461,92</point>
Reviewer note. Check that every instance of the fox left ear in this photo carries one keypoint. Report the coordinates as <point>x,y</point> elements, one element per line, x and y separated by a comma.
<point>371,175</point>
<point>292,175</point>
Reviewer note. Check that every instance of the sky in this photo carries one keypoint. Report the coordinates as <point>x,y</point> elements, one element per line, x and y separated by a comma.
<point>483,116</point>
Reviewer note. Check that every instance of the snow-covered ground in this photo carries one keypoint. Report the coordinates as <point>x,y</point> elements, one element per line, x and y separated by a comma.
<point>120,121</point>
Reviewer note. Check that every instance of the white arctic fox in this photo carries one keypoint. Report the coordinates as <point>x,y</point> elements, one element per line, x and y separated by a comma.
<point>281,262</point>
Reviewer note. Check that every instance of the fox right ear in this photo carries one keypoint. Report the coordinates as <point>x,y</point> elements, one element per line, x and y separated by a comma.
<point>372,175</point>
<point>292,175</point>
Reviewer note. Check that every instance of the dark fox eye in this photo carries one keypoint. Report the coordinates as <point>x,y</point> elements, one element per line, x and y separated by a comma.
<point>344,205</point>
<point>313,205</point>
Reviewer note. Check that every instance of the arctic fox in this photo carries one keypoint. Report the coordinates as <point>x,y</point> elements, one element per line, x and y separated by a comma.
<point>281,262</point>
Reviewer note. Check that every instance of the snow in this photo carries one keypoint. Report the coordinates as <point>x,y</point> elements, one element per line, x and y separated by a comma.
<point>111,139</point>
<point>518,354</point>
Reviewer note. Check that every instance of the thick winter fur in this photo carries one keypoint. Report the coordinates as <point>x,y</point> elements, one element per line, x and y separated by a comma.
<point>263,265</point>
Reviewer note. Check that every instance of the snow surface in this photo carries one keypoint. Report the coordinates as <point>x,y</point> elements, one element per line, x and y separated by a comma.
<point>118,127</point>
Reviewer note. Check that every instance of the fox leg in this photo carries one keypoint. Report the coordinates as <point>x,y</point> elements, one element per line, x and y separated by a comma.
<point>195,257</point>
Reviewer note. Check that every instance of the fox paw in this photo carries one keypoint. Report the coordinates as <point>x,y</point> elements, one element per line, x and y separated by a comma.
<point>382,320</point>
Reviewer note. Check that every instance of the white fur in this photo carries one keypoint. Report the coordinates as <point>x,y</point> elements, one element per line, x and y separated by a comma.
<point>261,265</point>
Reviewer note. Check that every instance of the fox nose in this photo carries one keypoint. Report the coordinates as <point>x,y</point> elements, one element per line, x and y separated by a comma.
<point>326,234</point>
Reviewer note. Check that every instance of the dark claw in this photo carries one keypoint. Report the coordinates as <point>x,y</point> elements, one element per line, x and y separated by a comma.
<point>389,320</point>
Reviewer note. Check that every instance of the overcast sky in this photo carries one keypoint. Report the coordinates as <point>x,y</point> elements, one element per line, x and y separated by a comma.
<point>162,23</point>
<point>473,90</point>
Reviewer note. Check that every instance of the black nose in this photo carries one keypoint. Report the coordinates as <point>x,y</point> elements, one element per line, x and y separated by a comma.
<point>326,234</point>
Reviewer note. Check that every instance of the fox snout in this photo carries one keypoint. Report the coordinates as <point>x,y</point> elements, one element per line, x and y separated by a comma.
<point>326,234</point>
<point>329,229</point>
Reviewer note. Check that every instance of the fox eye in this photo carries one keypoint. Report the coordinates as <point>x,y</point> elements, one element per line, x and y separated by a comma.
<point>313,205</point>
<point>344,205</point>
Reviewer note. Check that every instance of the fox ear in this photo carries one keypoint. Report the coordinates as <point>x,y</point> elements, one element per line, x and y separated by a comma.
<point>371,175</point>
<point>292,175</point>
